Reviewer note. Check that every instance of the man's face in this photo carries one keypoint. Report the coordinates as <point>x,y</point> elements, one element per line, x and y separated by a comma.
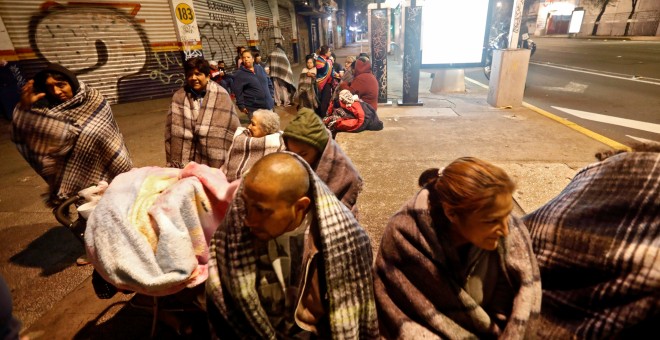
<point>196,80</point>
<point>268,216</point>
<point>221,65</point>
<point>255,127</point>
<point>309,153</point>
<point>60,89</point>
<point>247,59</point>
<point>485,227</point>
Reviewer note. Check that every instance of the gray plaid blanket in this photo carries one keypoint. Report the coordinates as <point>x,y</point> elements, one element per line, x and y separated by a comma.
<point>246,150</point>
<point>419,296</point>
<point>204,139</point>
<point>345,250</point>
<point>73,145</point>
<point>598,248</point>
<point>280,67</point>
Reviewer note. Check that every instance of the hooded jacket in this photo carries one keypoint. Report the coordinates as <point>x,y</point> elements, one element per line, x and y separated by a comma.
<point>364,83</point>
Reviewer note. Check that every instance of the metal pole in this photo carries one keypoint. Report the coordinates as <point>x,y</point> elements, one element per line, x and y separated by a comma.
<point>516,18</point>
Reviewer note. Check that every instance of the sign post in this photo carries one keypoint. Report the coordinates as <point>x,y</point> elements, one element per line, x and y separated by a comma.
<point>187,32</point>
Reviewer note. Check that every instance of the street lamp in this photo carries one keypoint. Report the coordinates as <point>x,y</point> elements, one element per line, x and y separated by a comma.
<point>355,16</point>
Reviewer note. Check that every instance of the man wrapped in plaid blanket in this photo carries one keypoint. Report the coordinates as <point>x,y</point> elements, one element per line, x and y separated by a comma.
<point>289,260</point>
<point>66,131</point>
<point>598,248</point>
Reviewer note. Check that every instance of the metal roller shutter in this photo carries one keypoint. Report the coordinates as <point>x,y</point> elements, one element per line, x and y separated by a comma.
<point>222,27</point>
<point>128,51</point>
<point>287,32</point>
<point>265,28</point>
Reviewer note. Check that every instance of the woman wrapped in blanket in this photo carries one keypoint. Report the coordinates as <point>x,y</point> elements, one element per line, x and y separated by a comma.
<point>454,263</point>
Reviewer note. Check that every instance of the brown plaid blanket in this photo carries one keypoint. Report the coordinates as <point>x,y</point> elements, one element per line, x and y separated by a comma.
<point>206,138</point>
<point>419,296</point>
<point>346,252</point>
<point>246,150</point>
<point>340,175</point>
<point>73,145</point>
<point>598,248</point>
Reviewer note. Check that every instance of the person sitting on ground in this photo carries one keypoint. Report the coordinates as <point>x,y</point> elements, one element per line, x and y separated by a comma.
<point>454,263</point>
<point>281,75</point>
<point>252,87</point>
<point>66,131</point>
<point>346,76</point>
<point>364,83</point>
<point>598,244</point>
<point>215,74</point>
<point>289,260</point>
<point>307,136</point>
<point>261,137</point>
<point>352,115</point>
<point>306,94</point>
<point>201,121</point>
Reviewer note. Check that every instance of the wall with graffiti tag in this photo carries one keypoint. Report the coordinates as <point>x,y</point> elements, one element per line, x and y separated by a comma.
<point>128,51</point>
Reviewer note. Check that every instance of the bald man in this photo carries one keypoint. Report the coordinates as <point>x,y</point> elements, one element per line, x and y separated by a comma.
<point>271,249</point>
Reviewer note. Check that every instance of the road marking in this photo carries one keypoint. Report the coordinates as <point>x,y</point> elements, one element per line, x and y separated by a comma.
<point>607,141</point>
<point>643,140</point>
<point>570,87</point>
<point>635,124</point>
<point>597,73</point>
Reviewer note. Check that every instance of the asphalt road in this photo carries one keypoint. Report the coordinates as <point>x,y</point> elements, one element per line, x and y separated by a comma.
<point>611,87</point>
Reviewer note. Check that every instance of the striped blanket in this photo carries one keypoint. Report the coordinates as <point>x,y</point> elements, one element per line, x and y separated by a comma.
<point>200,133</point>
<point>419,295</point>
<point>73,145</point>
<point>246,150</point>
<point>280,67</point>
<point>150,231</point>
<point>347,258</point>
<point>598,248</point>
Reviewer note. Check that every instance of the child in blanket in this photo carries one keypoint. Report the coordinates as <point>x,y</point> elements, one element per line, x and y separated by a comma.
<point>306,95</point>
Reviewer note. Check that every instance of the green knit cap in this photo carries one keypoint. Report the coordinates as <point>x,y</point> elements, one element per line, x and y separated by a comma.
<point>308,128</point>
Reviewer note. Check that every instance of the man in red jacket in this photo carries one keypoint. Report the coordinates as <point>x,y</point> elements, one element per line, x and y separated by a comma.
<point>364,83</point>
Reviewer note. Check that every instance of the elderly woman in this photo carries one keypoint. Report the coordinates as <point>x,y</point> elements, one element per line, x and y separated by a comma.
<point>453,262</point>
<point>261,137</point>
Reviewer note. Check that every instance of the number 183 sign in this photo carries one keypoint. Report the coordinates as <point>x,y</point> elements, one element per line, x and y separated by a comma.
<point>184,13</point>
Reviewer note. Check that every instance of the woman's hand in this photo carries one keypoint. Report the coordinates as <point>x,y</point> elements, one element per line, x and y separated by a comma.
<point>28,97</point>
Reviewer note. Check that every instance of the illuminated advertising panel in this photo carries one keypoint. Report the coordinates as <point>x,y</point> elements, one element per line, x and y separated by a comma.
<point>576,21</point>
<point>454,32</point>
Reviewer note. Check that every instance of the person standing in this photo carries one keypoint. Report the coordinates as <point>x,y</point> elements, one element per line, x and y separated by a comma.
<point>280,72</point>
<point>306,94</point>
<point>201,121</point>
<point>66,131</point>
<point>251,86</point>
<point>324,75</point>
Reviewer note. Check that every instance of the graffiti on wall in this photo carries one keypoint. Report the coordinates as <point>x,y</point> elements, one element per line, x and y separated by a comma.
<point>106,46</point>
<point>167,62</point>
<point>222,32</point>
<point>220,40</point>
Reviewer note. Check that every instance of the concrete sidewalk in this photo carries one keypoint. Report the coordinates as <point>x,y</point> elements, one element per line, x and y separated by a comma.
<point>540,154</point>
